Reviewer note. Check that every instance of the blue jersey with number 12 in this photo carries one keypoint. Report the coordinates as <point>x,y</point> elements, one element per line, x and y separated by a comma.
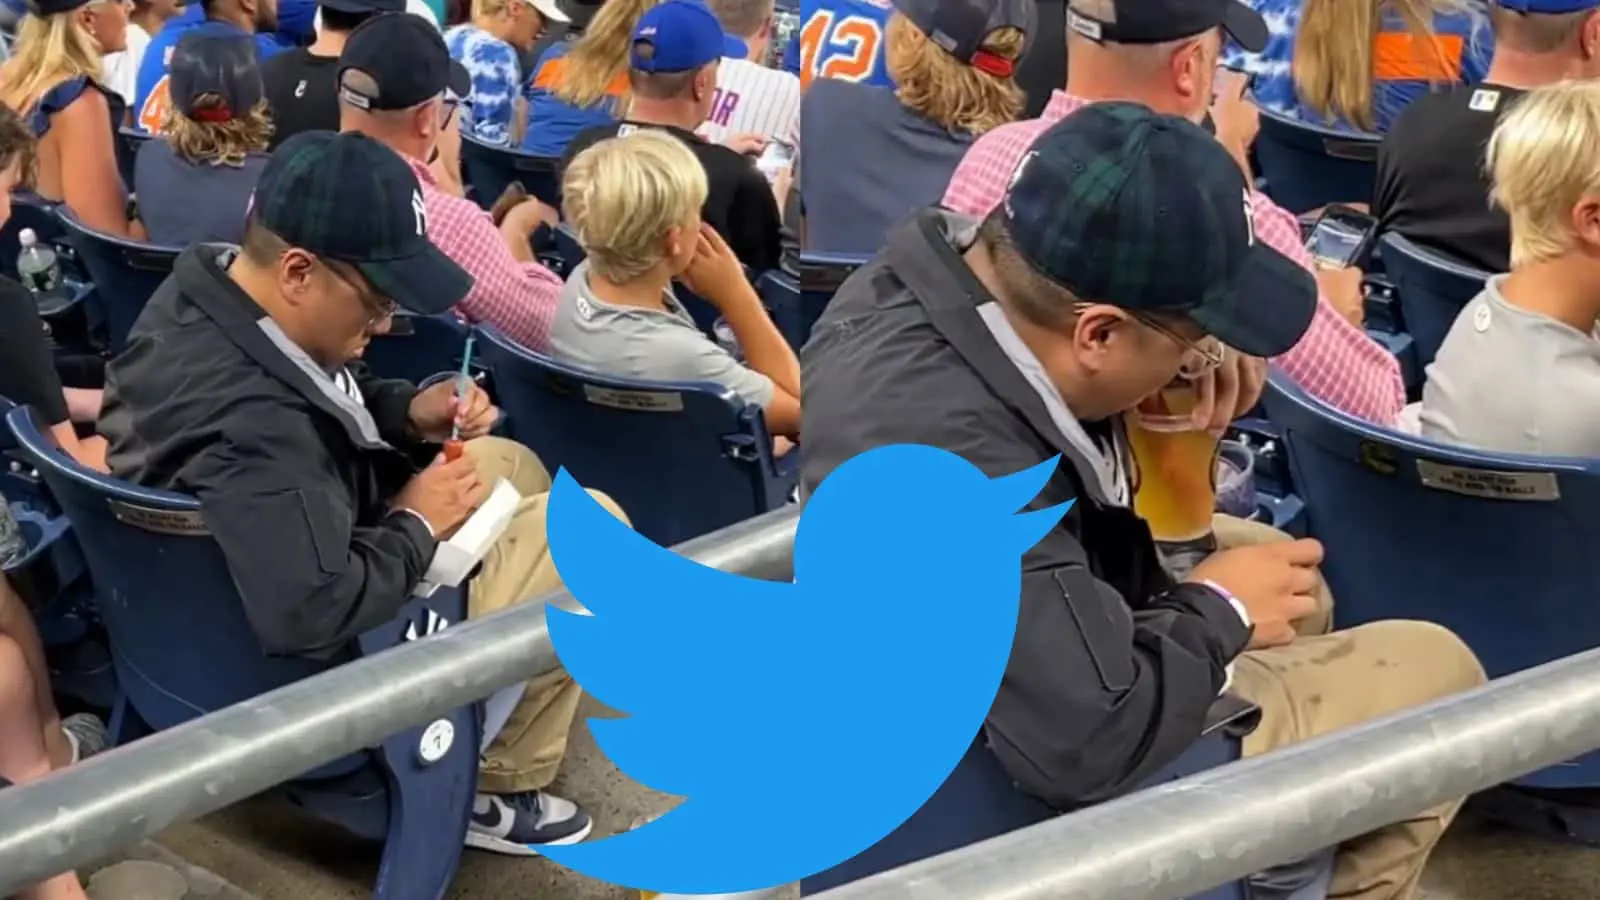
<point>844,39</point>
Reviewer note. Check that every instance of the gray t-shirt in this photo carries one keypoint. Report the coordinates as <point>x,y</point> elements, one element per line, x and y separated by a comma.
<point>183,203</point>
<point>649,344</point>
<point>1515,381</point>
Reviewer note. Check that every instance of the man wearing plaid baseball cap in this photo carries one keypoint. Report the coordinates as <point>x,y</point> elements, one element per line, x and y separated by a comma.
<point>326,488</point>
<point>1121,258</point>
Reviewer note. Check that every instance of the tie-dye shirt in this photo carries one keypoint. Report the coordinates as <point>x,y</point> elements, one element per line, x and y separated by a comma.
<point>496,75</point>
<point>1403,67</point>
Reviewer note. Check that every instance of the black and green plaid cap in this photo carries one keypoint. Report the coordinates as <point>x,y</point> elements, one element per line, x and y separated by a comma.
<point>1147,212</point>
<point>349,198</point>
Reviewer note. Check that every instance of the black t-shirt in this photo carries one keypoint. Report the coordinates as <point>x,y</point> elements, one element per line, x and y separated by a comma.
<point>1431,184</point>
<point>27,370</point>
<point>303,92</point>
<point>739,202</point>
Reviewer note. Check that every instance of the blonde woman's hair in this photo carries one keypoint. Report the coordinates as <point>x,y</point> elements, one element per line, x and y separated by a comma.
<point>18,146</point>
<point>1333,50</point>
<point>48,51</point>
<point>1542,160</point>
<point>219,143</point>
<point>624,194</point>
<point>936,85</point>
<point>601,55</point>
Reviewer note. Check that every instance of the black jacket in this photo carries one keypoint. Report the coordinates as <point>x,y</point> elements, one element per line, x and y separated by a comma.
<point>294,486</point>
<point>1114,667</point>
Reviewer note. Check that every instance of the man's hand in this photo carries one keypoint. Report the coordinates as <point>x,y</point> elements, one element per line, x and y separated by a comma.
<point>444,494</point>
<point>528,215</point>
<point>749,144</point>
<point>1276,584</point>
<point>1228,391</point>
<point>1341,285</point>
<point>436,411</point>
<point>1237,119</point>
<point>510,199</point>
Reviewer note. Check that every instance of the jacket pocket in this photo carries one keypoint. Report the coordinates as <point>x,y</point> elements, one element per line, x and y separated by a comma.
<point>328,525</point>
<point>1106,629</point>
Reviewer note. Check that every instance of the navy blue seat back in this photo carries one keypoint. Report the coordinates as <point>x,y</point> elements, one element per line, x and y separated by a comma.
<point>488,169</point>
<point>681,458</point>
<point>129,140</point>
<point>418,347</point>
<point>821,274</point>
<point>125,273</point>
<point>1431,289</point>
<point>1499,548</point>
<point>163,590</point>
<point>1307,167</point>
<point>980,801</point>
<point>29,210</point>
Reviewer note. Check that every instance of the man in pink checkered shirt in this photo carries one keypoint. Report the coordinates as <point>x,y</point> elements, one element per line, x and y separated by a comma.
<point>1335,361</point>
<point>510,290</point>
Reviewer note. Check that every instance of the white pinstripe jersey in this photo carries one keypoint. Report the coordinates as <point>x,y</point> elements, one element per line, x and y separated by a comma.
<point>753,99</point>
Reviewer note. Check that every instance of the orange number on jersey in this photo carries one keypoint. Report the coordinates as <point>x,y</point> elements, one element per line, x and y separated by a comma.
<point>153,115</point>
<point>860,39</point>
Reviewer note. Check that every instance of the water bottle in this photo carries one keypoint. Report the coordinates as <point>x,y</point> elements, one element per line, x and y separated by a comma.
<point>40,272</point>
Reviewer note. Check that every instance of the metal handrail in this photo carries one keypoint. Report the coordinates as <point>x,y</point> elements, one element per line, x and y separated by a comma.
<point>1192,835</point>
<point>87,812</point>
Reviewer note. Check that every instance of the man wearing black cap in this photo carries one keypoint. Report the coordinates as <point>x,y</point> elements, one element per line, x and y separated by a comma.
<point>302,85</point>
<point>398,85</point>
<point>241,385</point>
<point>1121,255</point>
<point>1163,54</point>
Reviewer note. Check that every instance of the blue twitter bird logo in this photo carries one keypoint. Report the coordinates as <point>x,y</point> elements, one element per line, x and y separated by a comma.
<point>802,722</point>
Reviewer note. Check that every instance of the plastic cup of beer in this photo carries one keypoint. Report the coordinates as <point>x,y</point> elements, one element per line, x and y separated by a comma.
<point>1175,488</point>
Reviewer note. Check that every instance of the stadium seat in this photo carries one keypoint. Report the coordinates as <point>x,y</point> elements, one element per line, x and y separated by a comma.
<point>1431,288</point>
<point>125,273</point>
<point>489,168</point>
<point>979,801</point>
<point>682,458</point>
<point>821,274</point>
<point>417,347</point>
<point>1306,166</point>
<point>1499,548</point>
<point>785,302</point>
<point>29,210</point>
<point>129,140</point>
<point>182,647</point>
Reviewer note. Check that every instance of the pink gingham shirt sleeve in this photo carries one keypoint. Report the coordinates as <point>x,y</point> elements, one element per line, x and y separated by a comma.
<point>519,298</point>
<point>979,182</point>
<point>1335,361</point>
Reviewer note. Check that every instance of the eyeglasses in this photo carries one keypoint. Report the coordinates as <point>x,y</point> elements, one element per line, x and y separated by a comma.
<point>1199,357</point>
<point>447,109</point>
<point>378,308</point>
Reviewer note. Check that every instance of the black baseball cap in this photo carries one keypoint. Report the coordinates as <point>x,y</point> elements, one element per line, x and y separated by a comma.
<point>1158,21</point>
<point>51,7</point>
<point>219,64</point>
<point>407,60</point>
<point>1121,205</point>
<point>960,27</point>
<point>360,7</point>
<point>349,198</point>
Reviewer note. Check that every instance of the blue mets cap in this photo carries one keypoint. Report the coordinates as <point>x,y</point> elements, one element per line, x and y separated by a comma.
<point>1547,7</point>
<point>1146,212</point>
<point>349,198</point>
<point>681,36</point>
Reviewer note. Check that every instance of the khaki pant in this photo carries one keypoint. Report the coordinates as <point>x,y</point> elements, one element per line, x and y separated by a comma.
<point>1328,680</point>
<point>526,753</point>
